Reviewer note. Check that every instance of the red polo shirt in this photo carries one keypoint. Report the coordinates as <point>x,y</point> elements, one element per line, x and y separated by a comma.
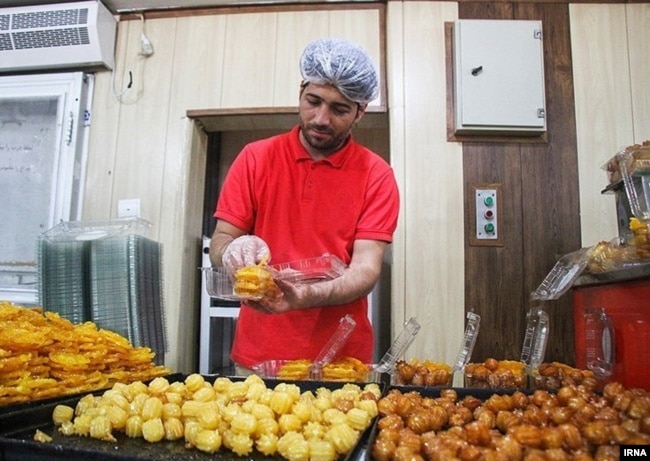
<point>302,209</point>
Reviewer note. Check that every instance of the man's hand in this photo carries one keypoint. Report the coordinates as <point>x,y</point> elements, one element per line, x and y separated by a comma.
<point>247,250</point>
<point>292,296</point>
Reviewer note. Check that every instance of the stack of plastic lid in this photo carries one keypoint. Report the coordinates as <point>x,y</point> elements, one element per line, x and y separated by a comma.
<point>109,273</point>
<point>62,277</point>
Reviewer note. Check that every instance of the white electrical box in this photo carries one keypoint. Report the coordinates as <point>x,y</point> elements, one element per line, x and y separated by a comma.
<point>499,77</point>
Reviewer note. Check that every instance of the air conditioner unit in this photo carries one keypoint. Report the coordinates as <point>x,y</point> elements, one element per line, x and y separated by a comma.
<point>79,35</point>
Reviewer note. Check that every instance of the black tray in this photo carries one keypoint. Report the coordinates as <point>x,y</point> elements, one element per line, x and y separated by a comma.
<point>18,423</point>
<point>434,391</point>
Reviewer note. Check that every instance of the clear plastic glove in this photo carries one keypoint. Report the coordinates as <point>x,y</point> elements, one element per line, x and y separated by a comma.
<point>246,250</point>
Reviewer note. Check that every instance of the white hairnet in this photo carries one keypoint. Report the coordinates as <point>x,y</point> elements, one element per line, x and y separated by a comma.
<point>342,64</point>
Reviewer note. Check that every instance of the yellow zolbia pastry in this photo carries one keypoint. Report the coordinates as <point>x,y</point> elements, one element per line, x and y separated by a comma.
<point>255,282</point>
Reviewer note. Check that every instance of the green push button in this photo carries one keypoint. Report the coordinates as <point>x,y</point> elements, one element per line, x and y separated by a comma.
<point>489,200</point>
<point>489,228</point>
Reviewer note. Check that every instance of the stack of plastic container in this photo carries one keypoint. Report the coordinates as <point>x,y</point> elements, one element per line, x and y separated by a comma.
<point>106,272</point>
<point>63,266</point>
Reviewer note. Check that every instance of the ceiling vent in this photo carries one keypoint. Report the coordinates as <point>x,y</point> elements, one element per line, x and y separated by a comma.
<point>79,35</point>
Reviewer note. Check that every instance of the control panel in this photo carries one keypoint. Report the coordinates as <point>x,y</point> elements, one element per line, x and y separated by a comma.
<point>486,214</point>
<point>486,223</point>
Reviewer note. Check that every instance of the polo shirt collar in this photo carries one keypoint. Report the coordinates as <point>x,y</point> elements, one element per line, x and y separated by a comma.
<point>336,159</point>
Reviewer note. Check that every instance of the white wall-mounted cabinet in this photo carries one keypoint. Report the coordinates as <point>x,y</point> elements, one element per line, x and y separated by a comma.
<point>499,77</point>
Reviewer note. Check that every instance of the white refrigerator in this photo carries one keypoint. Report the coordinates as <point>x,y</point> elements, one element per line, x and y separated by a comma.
<point>44,124</point>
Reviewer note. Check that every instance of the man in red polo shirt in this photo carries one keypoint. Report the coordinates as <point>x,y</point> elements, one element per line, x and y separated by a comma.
<point>304,193</point>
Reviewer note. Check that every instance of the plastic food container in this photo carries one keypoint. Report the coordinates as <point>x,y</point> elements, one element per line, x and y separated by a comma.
<point>427,373</point>
<point>220,282</point>
<point>423,373</point>
<point>632,160</point>
<point>321,268</point>
<point>323,367</point>
<point>343,370</point>
<point>493,374</point>
<point>641,230</point>
<point>554,375</point>
<point>272,369</point>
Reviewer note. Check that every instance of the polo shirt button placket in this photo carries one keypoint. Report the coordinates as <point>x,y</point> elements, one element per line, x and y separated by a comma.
<point>308,188</point>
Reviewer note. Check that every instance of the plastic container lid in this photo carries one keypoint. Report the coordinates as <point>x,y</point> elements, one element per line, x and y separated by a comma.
<point>561,277</point>
<point>333,346</point>
<point>94,230</point>
<point>469,340</point>
<point>311,270</point>
<point>639,205</point>
<point>399,346</point>
<point>535,339</point>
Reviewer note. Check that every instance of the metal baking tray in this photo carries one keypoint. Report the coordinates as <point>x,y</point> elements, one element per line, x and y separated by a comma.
<point>18,423</point>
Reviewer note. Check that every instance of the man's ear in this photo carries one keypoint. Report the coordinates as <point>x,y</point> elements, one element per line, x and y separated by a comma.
<point>361,111</point>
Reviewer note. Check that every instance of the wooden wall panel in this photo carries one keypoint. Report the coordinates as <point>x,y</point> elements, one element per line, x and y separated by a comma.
<point>493,275</point>
<point>98,199</point>
<point>550,194</point>
<point>428,253</point>
<point>248,62</point>
<point>357,26</point>
<point>199,62</point>
<point>539,216</point>
<point>604,118</point>
<point>140,160</point>
<point>638,23</point>
<point>191,59</point>
<point>396,80</point>
<point>296,30</point>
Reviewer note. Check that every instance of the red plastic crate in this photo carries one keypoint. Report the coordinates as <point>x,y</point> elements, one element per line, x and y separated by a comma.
<point>627,304</point>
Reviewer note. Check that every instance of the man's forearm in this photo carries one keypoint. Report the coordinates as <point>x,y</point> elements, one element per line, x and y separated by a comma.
<point>347,288</point>
<point>218,245</point>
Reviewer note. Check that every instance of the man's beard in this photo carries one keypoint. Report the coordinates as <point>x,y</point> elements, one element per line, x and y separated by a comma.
<point>327,145</point>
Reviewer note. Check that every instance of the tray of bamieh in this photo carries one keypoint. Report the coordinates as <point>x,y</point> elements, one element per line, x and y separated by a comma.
<point>576,422</point>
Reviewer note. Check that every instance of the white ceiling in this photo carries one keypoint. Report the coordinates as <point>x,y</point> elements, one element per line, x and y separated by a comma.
<point>126,6</point>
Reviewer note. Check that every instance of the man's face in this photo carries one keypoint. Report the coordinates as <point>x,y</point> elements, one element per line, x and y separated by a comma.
<point>326,118</point>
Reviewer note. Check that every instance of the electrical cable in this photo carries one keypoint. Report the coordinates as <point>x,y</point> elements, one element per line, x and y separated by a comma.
<point>146,47</point>
<point>146,50</point>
